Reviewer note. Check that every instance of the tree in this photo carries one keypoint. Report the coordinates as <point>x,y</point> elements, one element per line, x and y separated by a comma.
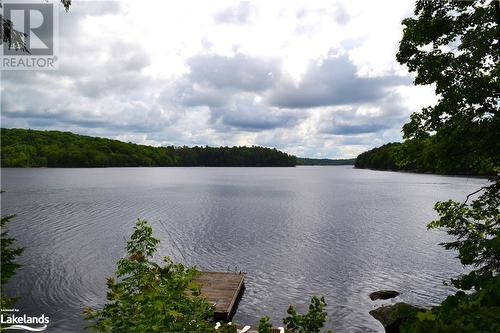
<point>456,46</point>
<point>476,228</point>
<point>149,297</point>
<point>8,254</point>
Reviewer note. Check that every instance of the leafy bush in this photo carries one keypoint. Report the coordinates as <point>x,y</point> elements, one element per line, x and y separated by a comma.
<point>148,297</point>
<point>311,322</point>
<point>478,312</point>
<point>476,229</point>
<point>265,325</point>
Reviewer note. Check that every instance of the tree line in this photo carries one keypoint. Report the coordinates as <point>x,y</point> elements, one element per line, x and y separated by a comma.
<point>324,161</point>
<point>33,148</point>
<point>433,154</point>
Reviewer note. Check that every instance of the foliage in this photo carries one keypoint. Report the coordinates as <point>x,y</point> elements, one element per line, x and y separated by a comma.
<point>265,325</point>
<point>8,254</point>
<point>382,158</point>
<point>424,155</point>
<point>466,313</point>
<point>66,4</point>
<point>148,297</point>
<point>476,229</point>
<point>455,46</point>
<point>31,148</point>
<point>324,161</point>
<point>311,322</point>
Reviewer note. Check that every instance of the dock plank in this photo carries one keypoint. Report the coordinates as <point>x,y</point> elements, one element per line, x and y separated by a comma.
<point>222,289</point>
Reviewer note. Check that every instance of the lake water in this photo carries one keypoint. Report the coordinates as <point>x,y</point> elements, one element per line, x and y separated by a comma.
<point>333,231</point>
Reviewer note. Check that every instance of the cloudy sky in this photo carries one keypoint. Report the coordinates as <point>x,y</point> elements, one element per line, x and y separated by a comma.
<point>312,78</point>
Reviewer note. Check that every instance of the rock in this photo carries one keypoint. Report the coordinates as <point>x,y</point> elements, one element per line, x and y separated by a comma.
<point>392,316</point>
<point>383,294</point>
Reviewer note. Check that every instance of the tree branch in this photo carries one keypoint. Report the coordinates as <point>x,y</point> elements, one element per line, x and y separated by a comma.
<point>471,194</point>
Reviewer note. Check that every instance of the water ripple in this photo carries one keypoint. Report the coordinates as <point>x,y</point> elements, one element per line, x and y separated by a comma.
<point>297,232</point>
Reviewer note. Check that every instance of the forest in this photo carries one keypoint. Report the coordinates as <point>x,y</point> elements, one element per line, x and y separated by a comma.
<point>32,148</point>
<point>430,154</point>
<point>324,161</point>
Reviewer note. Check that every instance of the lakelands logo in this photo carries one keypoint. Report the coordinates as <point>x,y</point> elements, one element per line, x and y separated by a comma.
<point>28,35</point>
<point>24,322</point>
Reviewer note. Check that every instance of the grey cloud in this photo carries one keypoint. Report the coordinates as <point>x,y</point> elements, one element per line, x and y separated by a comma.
<point>364,142</point>
<point>18,97</point>
<point>126,56</point>
<point>340,14</point>
<point>28,114</point>
<point>206,44</point>
<point>247,114</point>
<point>352,122</point>
<point>307,19</point>
<point>357,140</point>
<point>121,73</point>
<point>213,79</point>
<point>229,86</point>
<point>107,83</point>
<point>332,82</point>
<point>239,72</point>
<point>300,13</point>
<point>38,118</point>
<point>190,95</point>
<point>239,14</point>
<point>359,128</point>
<point>127,121</point>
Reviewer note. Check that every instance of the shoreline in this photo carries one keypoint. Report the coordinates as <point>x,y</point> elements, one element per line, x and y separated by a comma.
<point>461,175</point>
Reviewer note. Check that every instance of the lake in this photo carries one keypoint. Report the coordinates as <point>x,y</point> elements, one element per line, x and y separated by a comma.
<point>297,232</point>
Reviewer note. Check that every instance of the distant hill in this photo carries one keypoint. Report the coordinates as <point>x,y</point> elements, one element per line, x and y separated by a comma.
<point>324,161</point>
<point>32,148</point>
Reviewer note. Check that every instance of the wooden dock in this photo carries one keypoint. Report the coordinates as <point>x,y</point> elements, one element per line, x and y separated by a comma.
<point>223,290</point>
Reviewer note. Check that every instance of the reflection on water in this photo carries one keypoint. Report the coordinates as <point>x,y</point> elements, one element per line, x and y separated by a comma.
<point>332,231</point>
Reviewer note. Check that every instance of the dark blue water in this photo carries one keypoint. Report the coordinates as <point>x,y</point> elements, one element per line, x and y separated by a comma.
<point>332,231</point>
